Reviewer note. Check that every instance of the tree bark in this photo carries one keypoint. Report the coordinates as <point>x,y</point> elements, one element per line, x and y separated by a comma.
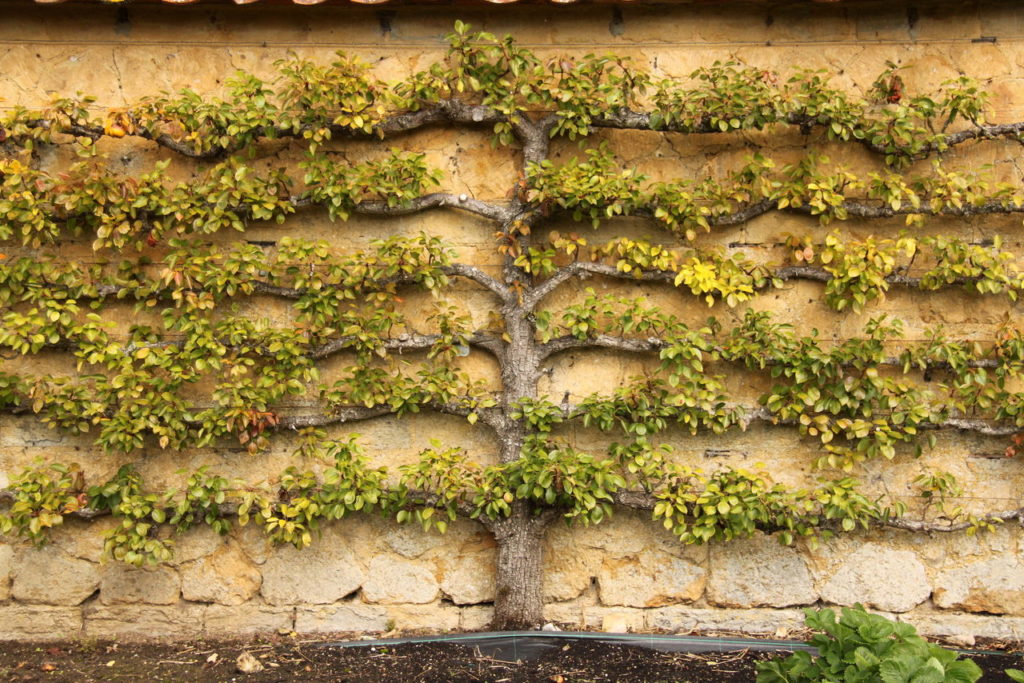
<point>519,598</point>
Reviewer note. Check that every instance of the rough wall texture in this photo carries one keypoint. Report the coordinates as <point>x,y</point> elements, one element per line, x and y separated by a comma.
<point>370,575</point>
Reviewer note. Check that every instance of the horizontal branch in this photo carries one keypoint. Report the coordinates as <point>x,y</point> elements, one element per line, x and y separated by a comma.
<point>230,508</point>
<point>626,119</point>
<point>644,501</point>
<point>582,269</point>
<point>405,342</point>
<point>443,111</point>
<point>652,343</point>
<point>345,414</point>
<point>399,344</point>
<point>600,341</point>
<point>631,499</point>
<point>978,426</point>
<point>856,208</point>
<point>465,271</point>
<point>534,295</point>
<point>434,200</point>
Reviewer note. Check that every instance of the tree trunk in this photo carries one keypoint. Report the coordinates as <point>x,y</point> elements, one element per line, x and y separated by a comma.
<point>519,599</point>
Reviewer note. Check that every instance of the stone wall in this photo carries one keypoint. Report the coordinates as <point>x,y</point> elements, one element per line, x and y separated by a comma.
<point>367,574</point>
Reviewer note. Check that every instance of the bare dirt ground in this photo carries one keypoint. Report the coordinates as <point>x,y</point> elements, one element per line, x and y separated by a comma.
<point>287,658</point>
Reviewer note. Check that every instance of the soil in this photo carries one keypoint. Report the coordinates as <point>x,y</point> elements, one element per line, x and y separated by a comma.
<point>291,659</point>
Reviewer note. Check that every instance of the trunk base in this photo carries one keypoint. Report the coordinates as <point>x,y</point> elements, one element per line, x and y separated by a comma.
<point>519,599</point>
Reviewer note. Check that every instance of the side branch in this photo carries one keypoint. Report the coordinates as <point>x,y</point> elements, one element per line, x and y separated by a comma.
<point>399,344</point>
<point>977,426</point>
<point>626,119</point>
<point>644,501</point>
<point>600,341</point>
<point>435,200</point>
<point>404,342</point>
<point>346,414</point>
<point>503,291</point>
<point>651,344</point>
<point>582,269</point>
<point>443,111</point>
<point>263,287</point>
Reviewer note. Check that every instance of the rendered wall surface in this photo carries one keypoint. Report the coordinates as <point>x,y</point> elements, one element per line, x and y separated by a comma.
<point>368,574</point>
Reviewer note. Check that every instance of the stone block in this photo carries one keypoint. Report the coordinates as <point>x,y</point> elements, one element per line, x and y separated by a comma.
<point>649,580</point>
<point>680,619</point>
<point>995,586</point>
<point>569,613</point>
<point>222,620</point>
<point>393,580</point>
<point>143,621</point>
<point>434,618</point>
<point>879,577</point>
<point>354,617</point>
<point>123,584</point>
<point>195,544</point>
<point>35,622</point>
<point>614,620</point>
<point>321,574</point>
<point>225,577</point>
<point>476,618</point>
<point>468,579</point>
<point>758,572</point>
<point>410,541</point>
<point>943,625</point>
<point>50,576</point>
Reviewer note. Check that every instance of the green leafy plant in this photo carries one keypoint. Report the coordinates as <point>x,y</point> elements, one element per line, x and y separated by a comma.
<point>860,646</point>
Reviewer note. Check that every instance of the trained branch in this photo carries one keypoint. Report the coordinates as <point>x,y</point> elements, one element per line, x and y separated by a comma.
<point>346,414</point>
<point>443,111</point>
<point>644,501</point>
<point>626,119</point>
<point>651,344</point>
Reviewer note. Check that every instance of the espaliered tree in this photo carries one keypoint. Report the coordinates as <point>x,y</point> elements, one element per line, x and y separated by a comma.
<point>144,387</point>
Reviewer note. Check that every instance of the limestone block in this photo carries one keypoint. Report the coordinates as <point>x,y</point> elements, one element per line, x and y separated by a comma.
<point>49,576</point>
<point>880,577</point>
<point>649,580</point>
<point>477,618</point>
<point>19,622</point>
<point>570,613</point>
<point>83,540</point>
<point>254,543</point>
<point>6,563</point>
<point>566,580</point>
<point>324,573</point>
<point>392,580</point>
<point>346,618</point>
<point>195,544</point>
<point>758,572</point>
<point>944,624</point>
<point>124,584</point>
<point>411,541</point>
<point>680,619</point>
<point>468,579</point>
<point>434,617</point>
<point>614,620</point>
<point>995,586</point>
<point>222,620</point>
<point>226,577</point>
<point>143,621</point>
